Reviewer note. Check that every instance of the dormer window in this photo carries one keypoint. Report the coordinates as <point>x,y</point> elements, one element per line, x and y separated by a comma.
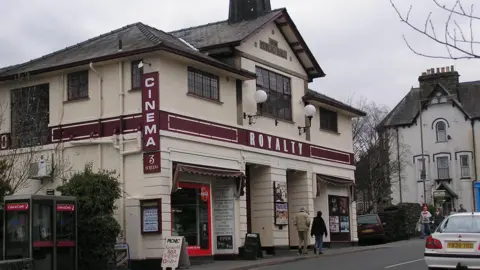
<point>441,129</point>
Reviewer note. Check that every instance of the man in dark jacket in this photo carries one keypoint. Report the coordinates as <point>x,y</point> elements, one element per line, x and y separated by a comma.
<point>319,229</point>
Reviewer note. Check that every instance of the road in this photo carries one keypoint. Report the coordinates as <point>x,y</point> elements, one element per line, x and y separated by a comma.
<point>407,255</point>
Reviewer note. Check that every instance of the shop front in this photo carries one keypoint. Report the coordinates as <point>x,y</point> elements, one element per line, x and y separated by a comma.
<point>203,205</point>
<point>334,199</point>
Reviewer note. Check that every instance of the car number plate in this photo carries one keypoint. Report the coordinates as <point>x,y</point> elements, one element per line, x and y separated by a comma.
<point>367,231</point>
<point>460,245</point>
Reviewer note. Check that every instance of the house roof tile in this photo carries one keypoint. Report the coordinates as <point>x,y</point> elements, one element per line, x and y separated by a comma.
<point>405,112</point>
<point>135,38</point>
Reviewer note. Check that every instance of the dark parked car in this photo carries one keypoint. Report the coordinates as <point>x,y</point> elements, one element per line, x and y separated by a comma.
<point>370,228</point>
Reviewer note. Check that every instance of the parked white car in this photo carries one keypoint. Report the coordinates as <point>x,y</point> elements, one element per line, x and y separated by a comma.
<point>455,242</point>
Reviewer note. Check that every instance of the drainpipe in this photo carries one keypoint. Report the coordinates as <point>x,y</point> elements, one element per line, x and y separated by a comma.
<point>475,164</point>
<point>121,147</point>
<point>100,109</point>
<point>399,167</point>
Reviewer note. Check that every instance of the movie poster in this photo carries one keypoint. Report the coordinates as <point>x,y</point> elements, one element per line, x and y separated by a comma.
<point>281,213</point>
<point>334,224</point>
<point>280,191</point>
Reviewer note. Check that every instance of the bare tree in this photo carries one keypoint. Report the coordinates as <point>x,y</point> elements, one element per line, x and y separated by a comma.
<point>29,114</point>
<point>377,158</point>
<point>456,32</point>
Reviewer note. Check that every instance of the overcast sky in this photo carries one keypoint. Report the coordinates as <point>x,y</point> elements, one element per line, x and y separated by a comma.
<point>358,44</point>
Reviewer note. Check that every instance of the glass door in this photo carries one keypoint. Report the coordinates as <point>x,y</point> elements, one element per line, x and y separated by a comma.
<point>191,216</point>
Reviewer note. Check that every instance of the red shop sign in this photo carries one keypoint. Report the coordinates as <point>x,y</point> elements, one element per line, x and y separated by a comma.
<point>65,207</point>
<point>151,112</point>
<point>17,206</point>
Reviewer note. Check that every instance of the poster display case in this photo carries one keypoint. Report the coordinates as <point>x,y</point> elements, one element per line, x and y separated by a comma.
<point>280,203</point>
<point>339,218</point>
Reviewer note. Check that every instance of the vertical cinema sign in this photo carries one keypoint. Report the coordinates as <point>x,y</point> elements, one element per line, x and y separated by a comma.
<point>151,121</point>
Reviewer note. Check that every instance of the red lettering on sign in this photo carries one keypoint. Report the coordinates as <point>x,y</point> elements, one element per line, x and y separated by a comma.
<point>17,206</point>
<point>151,112</point>
<point>151,162</point>
<point>65,207</point>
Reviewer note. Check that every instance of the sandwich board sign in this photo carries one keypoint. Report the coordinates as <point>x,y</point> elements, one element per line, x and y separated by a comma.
<point>175,253</point>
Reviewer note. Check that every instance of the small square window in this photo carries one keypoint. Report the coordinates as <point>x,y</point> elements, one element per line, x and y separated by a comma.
<point>78,85</point>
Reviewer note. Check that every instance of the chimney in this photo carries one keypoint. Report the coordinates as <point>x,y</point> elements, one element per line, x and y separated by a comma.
<point>447,76</point>
<point>244,10</point>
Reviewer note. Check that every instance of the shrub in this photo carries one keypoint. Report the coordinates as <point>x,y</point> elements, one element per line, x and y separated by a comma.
<point>96,193</point>
<point>401,221</point>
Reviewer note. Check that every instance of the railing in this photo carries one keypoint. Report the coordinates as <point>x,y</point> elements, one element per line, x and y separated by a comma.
<point>443,173</point>
<point>22,264</point>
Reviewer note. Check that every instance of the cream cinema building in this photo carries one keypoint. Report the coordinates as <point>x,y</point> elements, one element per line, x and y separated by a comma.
<point>212,130</point>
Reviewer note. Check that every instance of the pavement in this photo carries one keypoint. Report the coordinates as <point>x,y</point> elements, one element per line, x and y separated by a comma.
<point>401,255</point>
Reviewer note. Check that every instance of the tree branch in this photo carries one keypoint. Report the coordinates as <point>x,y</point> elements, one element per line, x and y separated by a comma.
<point>449,42</point>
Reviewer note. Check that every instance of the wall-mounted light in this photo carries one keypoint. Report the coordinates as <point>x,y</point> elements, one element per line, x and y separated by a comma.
<point>309,111</point>
<point>260,98</point>
<point>141,64</point>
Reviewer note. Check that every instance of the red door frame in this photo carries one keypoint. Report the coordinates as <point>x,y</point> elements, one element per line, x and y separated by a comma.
<point>193,251</point>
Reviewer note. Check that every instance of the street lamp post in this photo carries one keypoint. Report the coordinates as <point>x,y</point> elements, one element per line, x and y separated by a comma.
<point>423,173</point>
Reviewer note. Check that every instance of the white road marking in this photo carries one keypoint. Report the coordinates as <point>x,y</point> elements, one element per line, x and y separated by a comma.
<point>399,264</point>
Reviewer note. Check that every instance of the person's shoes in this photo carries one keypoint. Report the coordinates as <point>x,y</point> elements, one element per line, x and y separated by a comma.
<point>314,250</point>
<point>300,250</point>
<point>320,252</point>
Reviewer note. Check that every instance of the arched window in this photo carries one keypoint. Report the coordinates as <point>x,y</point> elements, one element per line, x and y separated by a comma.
<point>441,128</point>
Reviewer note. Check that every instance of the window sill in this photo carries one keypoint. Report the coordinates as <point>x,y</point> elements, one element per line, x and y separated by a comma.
<point>330,131</point>
<point>76,100</point>
<point>206,99</point>
<point>276,118</point>
<point>466,178</point>
<point>441,142</point>
<point>134,90</point>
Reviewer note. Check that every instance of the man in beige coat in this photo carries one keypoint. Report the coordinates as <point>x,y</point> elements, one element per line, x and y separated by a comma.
<point>302,223</point>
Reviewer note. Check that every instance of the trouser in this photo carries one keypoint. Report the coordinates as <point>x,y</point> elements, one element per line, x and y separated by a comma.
<point>302,240</point>
<point>319,242</point>
<point>425,229</point>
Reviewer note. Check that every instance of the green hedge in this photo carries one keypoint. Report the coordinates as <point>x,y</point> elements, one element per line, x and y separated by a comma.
<point>401,221</point>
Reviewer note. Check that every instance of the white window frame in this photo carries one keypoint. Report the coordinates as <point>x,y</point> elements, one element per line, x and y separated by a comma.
<point>441,134</point>
<point>419,168</point>
<point>464,166</point>
<point>447,167</point>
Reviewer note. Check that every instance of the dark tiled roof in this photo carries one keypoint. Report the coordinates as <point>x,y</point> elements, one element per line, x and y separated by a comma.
<point>136,38</point>
<point>313,95</point>
<point>223,33</point>
<point>220,33</point>
<point>405,112</point>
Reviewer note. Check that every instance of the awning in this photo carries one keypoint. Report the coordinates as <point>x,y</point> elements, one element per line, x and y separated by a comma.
<point>206,171</point>
<point>334,180</point>
<point>448,190</point>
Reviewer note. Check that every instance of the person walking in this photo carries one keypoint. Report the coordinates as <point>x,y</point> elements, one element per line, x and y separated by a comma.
<point>319,229</point>
<point>302,223</point>
<point>462,210</point>
<point>424,222</point>
<point>438,217</point>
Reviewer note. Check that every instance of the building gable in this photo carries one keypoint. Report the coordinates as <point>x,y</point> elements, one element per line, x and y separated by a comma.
<point>269,44</point>
<point>222,37</point>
